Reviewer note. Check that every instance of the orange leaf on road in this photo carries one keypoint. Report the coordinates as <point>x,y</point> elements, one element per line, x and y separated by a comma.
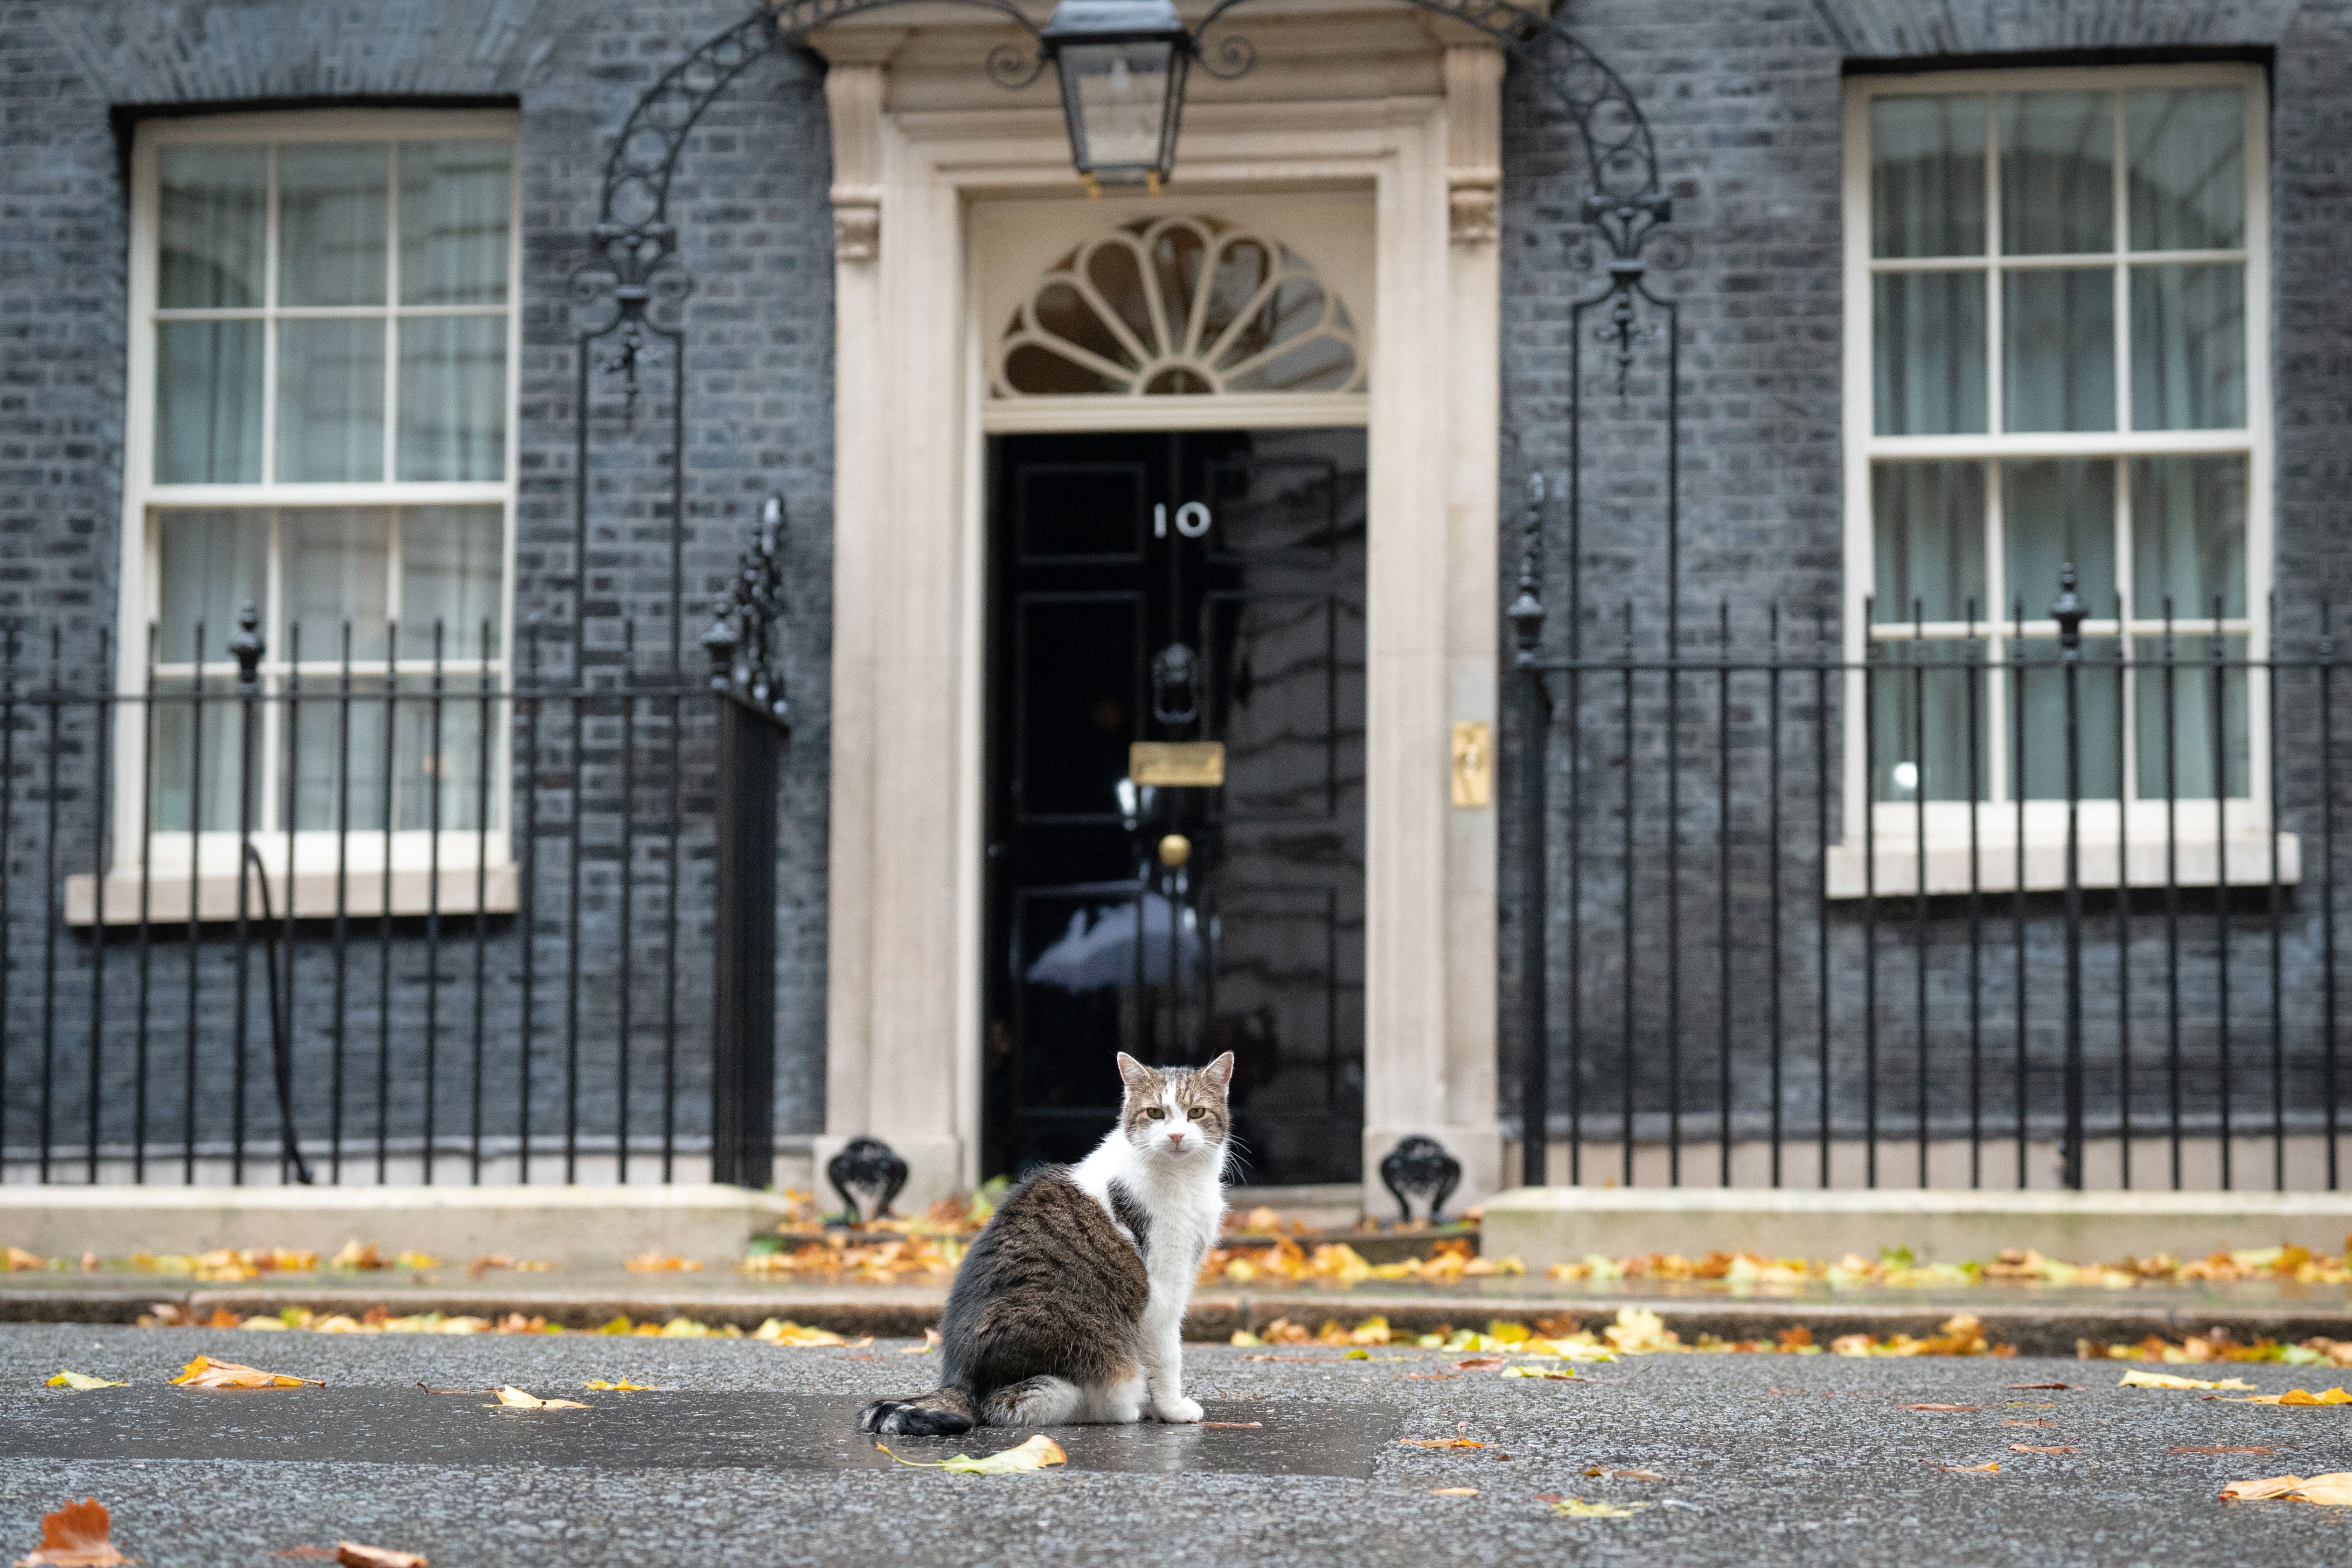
<point>2331,1491</point>
<point>76,1536</point>
<point>206,1372</point>
<point>1990,1468</point>
<point>351,1555</point>
<point>2029,1449</point>
<point>1942,1407</point>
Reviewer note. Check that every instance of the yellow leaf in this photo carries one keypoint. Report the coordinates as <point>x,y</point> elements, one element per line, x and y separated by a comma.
<point>80,1380</point>
<point>206,1372</point>
<point>2268,1486</point>
<point>931,1342</point>
<point>2331,1491</point>
<point>516,1399</point>
<point>2297,1397</point>
<point>1576,1508</point>
<point>624,1386</point>
<point>1454,1491</point>
<point>2136,1379</point>
<point>1356,1355</point>
<point>1557,1373</point>
<point>1035,1455</point>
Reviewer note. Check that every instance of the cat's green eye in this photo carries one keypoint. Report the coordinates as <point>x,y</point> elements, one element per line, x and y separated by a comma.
<point>1155,1112</point>
<point>1192,1114</point>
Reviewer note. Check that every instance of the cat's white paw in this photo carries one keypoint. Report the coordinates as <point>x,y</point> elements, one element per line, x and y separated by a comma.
<point>1179,1410</point>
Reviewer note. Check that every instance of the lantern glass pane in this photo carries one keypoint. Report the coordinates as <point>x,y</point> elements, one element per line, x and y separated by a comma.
<point>1118,97</point>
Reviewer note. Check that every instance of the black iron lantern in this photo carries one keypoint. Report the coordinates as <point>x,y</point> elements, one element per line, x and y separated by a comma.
<point>1123,65</point>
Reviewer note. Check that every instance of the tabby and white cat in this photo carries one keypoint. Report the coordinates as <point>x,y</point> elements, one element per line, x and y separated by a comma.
<point>1070,1307</point>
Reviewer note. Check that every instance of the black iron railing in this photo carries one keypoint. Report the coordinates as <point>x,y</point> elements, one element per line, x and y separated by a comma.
<point>2044,902</point>
<point>416,918</point>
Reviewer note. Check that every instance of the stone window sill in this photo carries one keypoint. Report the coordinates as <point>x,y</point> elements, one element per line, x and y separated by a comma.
<point>412,892</point>
<point>2246,862</point>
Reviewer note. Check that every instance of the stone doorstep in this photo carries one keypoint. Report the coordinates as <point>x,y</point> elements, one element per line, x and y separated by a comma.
<point>2035,1327</point>
<point>573,1227</point>
<point>1545,1226</point>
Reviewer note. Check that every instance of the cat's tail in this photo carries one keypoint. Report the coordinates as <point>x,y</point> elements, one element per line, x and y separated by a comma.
<point>941,1414</point>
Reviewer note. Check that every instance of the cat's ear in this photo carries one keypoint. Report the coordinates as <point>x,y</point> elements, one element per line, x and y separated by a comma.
<point>1134,1074</point>
<point>1220,1072</point>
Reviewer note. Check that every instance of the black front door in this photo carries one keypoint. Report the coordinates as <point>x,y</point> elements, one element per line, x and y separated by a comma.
<point>1202,593</point>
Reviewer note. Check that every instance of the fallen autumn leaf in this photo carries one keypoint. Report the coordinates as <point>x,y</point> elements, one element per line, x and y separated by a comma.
<point>1454,1491</point>
<point>206,1372</point>
<point>1942,1407</point>
<point>80,1380</point>
<point>2136,1379</point>
<point>1556,1373</point>
<point>2296,1396</point>
<point>1626,1475</point>
<point>351,1555</point>
<point>2030,1448</point>
<point>76,1536</point>
<point>1035,1455</point>
<point>1233,1426</point>
<point>1990,1468</point>
<point>2037,1386</point>
<point>1576,1508</point>
<point>2331,1491</point>
<point>514,1398</point>
<point>1461,1439</point>
<point>2216,1448</point>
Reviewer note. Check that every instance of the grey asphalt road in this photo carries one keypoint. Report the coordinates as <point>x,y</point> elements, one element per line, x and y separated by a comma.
<point>745,1456</point>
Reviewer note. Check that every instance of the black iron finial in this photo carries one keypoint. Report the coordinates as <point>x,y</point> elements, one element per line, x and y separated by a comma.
<point>2068,612</point>
<point>247,649</point>
<point>719,642</point>
<point>1526,611</point>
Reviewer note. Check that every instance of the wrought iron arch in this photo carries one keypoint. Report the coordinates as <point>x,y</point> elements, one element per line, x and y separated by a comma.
<point>636,263</point>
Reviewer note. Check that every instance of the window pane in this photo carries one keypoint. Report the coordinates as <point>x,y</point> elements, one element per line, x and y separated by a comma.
<point>212,226</point>
<point>2188,535</point>
<point>2177,761</point>
<point>1929,521</point>
<point>331,732</point>
<point>1929,333</point>
<point>196,786</point>
<point>453,222</point>
<point>2054,512</point>
<point>338,563</point>
<point>453,398</point>
<point>208,402</point>
<point>437,768</point>
<point>2187,188</point>
<point>213,563</point>
<point>2188,347</point>
<point>452,563</point>
<point>331,213</point>
<point>2058,350</point>
<point>331,400</point>
<point>2057,172</point>
<point>1927,176</point>
<point>1920,721</point>
<point>2043,708</point>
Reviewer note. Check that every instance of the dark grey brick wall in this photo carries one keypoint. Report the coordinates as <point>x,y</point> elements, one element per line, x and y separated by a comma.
<point>1744,101</point>
<point>756,238</point>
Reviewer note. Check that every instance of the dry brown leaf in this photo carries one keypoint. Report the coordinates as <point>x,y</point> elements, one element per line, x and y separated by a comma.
<point>1626,1475</point>
<point>76,1536</point>
<point>1942,1407</point>
<point>2030,1448</point>
<point>2029,1423</point>
<point>514,1398</point>
<point>1547,1497</point>
<point>1232,1425</point>
<point>206,1372</point>
<point>1990,1468</point>
<point>2216,1448</point>
<point>1461,1439</point>
<point>1454,1491</point>
<point>1479,1363</point>
<point>2037,1386</point>
<point>18,1258</point>
<point>351,1555</point>
<point>654,1261</point>
<point>2331,1491</point>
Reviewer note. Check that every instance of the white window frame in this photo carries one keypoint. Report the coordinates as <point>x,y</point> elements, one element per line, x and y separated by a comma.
<point>206,867</point>
<point>2118,839</point>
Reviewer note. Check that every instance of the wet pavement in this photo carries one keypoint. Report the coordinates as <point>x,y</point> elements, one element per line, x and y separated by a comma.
<point>747,1456</point>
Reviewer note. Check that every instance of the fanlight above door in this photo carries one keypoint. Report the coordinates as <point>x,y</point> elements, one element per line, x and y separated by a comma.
<point>1179,307</point>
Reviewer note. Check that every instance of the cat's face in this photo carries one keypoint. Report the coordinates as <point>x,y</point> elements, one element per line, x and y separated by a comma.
<point>1176,1113</point>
